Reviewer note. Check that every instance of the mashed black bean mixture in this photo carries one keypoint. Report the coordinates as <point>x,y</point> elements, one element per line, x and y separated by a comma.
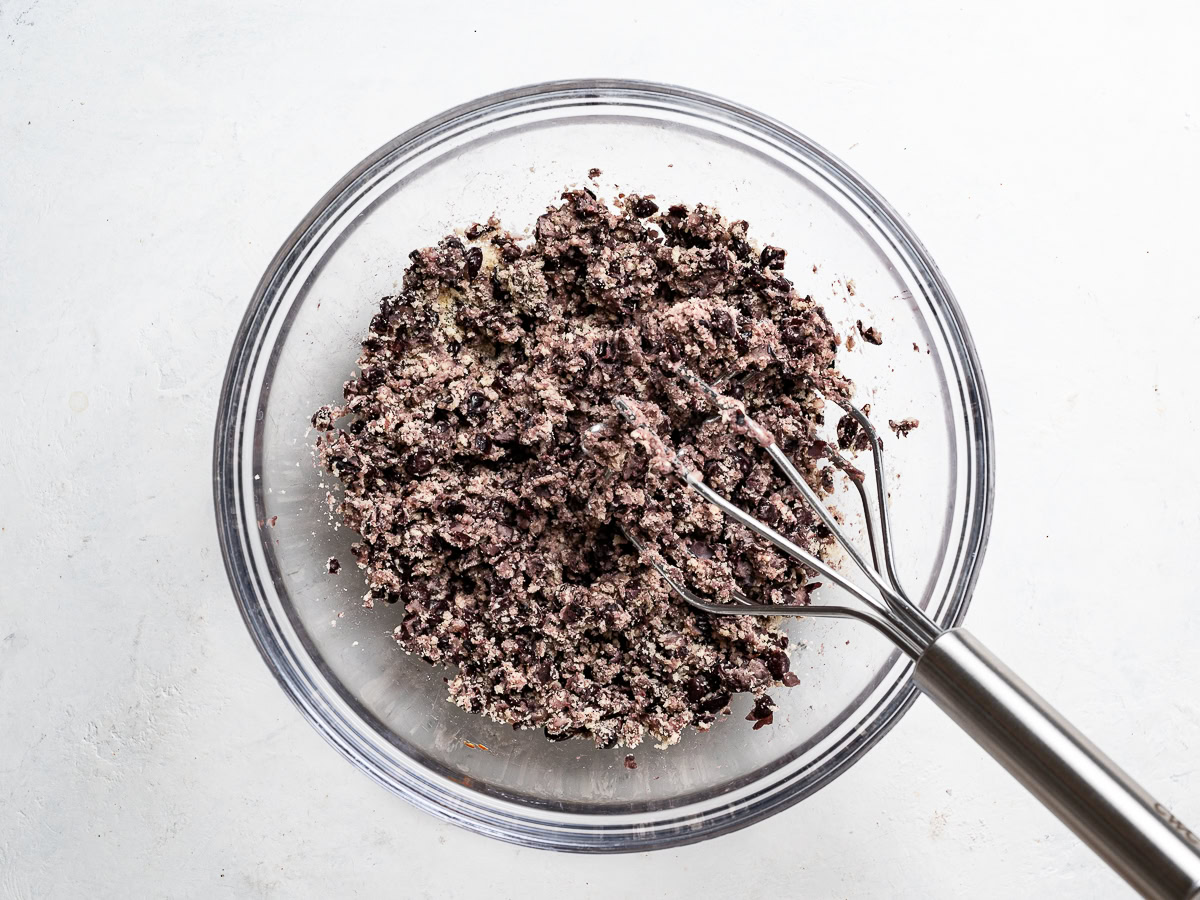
<point>490,508</point>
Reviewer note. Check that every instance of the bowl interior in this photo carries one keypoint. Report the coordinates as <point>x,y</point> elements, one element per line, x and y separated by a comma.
<point>314,309</point>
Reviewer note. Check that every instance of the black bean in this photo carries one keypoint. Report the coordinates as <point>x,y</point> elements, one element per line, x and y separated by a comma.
<point>474,261</point>
<point>644,207</point>
<point>793,335</point>
<point>772,257</point>
<point>476,403</point>
<point>419,463</point>
<point>696,689</point>
<point>763,707</point>
<point>778,664</point>
<point>721,323</point>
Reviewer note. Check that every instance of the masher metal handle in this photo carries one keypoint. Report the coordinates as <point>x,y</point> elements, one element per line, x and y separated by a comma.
<point>1136,835</point>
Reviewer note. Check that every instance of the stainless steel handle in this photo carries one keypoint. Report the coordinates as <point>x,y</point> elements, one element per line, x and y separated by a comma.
<point>1137,836</point>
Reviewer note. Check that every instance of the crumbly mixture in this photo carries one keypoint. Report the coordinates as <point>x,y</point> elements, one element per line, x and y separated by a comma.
<point>492,508</point>
<point>904,426</point>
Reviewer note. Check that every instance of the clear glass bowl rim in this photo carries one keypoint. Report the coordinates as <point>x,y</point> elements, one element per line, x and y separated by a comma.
<point>492,816</point>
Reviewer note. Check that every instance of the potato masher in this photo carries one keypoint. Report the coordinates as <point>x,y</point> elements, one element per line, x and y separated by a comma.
<point>1136,835</point>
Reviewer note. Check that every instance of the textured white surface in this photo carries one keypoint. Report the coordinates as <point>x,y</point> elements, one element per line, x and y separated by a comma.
<point>154,155</point>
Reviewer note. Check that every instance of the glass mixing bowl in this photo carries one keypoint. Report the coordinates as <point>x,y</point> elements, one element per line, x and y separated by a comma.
<point>511,154</point>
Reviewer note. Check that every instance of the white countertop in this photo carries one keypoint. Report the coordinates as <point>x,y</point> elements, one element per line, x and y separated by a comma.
<point>154,155</point>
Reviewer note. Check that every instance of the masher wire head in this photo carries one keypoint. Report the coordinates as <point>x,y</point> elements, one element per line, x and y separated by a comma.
<point>891,612</point>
